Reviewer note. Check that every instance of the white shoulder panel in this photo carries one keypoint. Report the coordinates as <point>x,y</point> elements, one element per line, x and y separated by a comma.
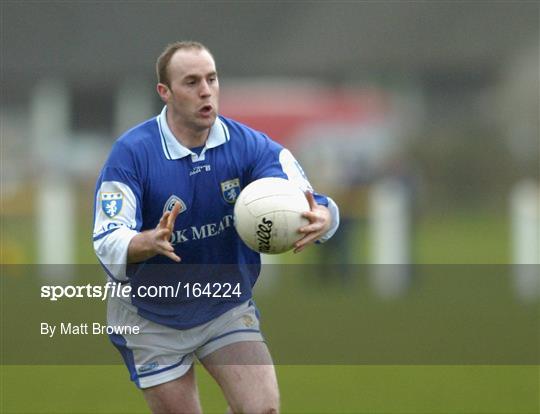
<point>294,171</point>
<point>114,226</point>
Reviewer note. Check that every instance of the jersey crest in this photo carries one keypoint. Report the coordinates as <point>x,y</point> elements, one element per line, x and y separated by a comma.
<point>230,190</point>
<point>171,202</point>
<point>111,203</point>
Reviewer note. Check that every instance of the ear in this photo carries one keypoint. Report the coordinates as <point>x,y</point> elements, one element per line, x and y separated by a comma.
<point>163,92</point>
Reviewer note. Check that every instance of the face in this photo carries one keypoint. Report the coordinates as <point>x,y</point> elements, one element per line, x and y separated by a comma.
<point>192,98</point>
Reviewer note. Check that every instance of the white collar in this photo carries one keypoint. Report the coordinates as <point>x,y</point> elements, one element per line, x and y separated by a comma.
<point>173,150</point>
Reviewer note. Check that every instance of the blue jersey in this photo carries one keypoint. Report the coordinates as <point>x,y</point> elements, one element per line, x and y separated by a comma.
<point>147,172</point>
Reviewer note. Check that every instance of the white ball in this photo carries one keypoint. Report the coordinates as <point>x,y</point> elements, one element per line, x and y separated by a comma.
<point>268,214</point>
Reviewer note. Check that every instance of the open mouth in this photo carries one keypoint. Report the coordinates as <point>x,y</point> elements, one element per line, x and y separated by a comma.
<point>206,110</point>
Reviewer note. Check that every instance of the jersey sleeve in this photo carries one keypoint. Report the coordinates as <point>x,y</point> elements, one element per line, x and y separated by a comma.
<point>272,160</point>
<point>117,212</point>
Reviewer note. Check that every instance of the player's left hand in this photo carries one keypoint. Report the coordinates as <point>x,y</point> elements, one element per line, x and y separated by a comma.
<point>320,220</point>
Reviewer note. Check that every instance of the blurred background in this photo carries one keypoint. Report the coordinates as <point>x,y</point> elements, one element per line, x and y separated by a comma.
<point>439,100</point>
<point>421,119</point>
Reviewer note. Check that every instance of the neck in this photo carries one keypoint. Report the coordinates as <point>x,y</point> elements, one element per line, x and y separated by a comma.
<point>188,137</point>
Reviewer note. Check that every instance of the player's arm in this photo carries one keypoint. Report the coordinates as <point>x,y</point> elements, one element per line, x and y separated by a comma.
<point>272,160</point>
<point>323,214</point>
<point>150,243</point>
<point>118,237</point>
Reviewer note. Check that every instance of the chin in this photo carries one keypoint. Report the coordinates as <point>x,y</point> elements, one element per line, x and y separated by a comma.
<point>205,124</point>
<point>208,122</point>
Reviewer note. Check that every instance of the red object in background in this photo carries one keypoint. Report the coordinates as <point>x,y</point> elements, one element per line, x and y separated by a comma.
<point>282,112</point>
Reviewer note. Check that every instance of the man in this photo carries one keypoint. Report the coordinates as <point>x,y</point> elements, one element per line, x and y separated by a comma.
<point>163,218</point>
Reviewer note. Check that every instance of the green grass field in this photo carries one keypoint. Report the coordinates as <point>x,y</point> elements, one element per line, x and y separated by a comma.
<point>305,389</point>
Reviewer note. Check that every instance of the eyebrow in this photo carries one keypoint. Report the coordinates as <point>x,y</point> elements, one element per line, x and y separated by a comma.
<point>195,76</point>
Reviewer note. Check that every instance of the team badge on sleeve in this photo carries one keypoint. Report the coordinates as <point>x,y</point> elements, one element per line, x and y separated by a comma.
<point>169,205</point>
<point>230,190</point>
<point>111,203</point>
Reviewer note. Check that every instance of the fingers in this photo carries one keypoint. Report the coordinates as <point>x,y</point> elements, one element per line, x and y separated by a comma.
<point>161,242</point>
<point>163,234</point>
<point>172,217</point>
<point>312,217</point>
<point>169,217</point>
<point>305,241</point>
<point>150,243</point>
<point>311,200</point>
<point>173,256</point>
<point>312,232</point>
<point>319,221</point>
<point>163,220</point>
<point>311,228</point>
<point>165,248</point>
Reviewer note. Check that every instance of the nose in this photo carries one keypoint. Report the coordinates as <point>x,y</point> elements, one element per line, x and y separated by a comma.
<point>205,89</point>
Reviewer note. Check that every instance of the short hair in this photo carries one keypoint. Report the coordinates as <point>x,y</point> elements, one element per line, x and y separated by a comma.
<point>162,64</point>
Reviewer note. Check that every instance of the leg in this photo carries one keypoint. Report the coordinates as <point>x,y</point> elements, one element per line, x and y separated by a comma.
<point>245,373</point>
<point>175,397</point>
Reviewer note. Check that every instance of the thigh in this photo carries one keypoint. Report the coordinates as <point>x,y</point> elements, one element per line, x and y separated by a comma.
<point>246,374</point>
<point>177,396</point>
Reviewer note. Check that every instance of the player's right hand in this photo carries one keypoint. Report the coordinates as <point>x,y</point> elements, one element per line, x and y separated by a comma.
<point>164,231</point>
<point>150,243</point>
